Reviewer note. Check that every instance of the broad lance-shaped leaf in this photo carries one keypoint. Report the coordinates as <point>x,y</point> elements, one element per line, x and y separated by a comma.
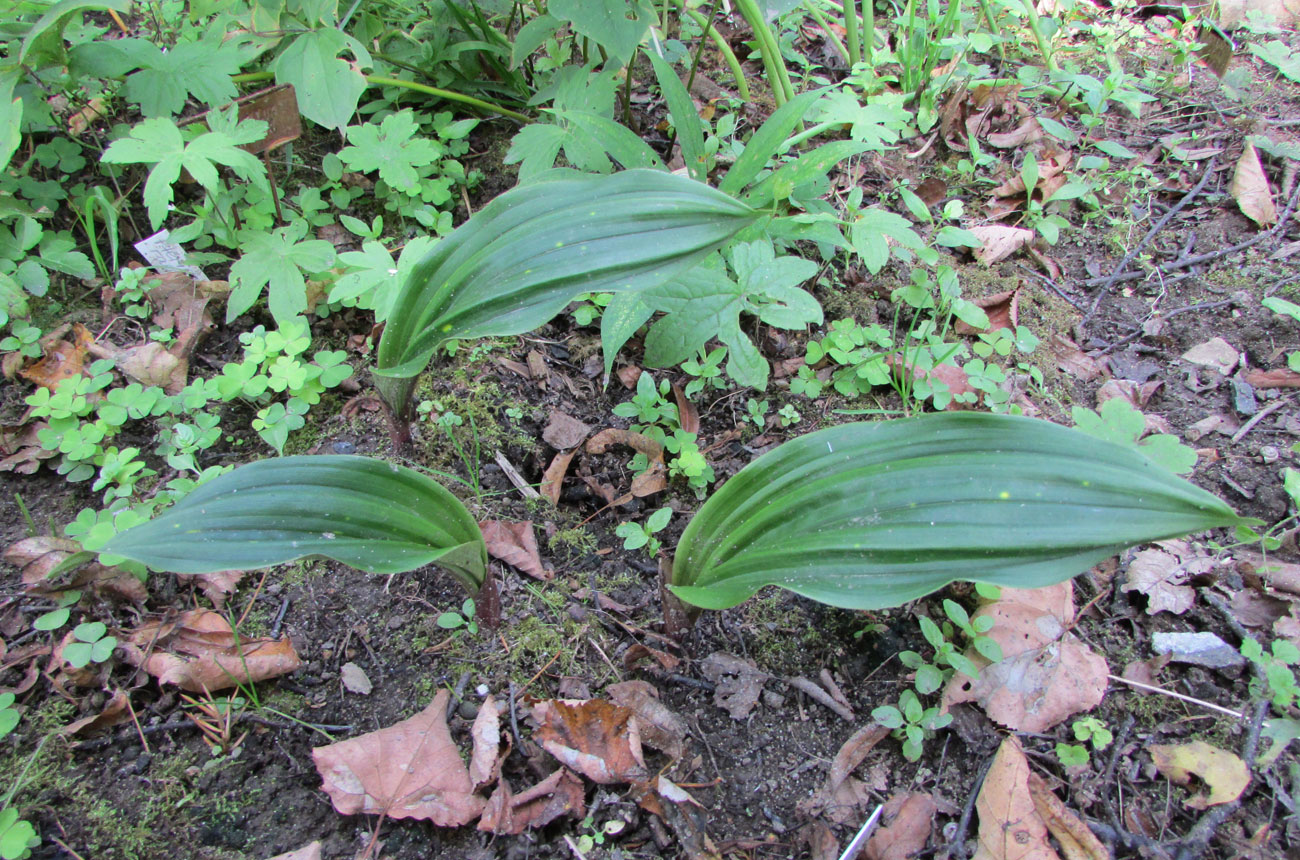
<point>868,516</point>
<point>531,251</point>
<point>372,515</point>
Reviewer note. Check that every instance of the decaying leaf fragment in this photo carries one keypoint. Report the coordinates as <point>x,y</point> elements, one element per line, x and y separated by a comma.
<point>561,793</point>
<point>660,727</point>
<point>1046,674</point>
<point>1225,774</point>
<point>197,652</point>
<point>1076,840</point>
<point>1162,574</point>
<point>737,683</point>
<point>1010,827</point>
<point>843,797</point>
<point>1251,190</point>
<point>905,825</point>
<point>411,769</point>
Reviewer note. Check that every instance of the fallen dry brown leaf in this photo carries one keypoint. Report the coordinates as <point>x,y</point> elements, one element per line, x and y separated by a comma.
<point>649,482</point>
<point>1046,674</point>
<point>1162,574</point>
<point>1076,840</point>
<point>63,358</point>
<point>411,769</point>
<point>37,557</point>
<point>1071,359</point>
<point>660,727</point>
<point>1027,132</point>
<point>1226,775</point>
<point>516,545</point>
<point>563,431</point>
<point>217,585</point>
<point>553,478</point>
<point>1281,378</point>
<point>1010,827</point>
<point>1002,309</point>
<point>1251,190</point>
<point>596,738</point>
<point>905,825</point>
<point>1000,242</point>
<point>842,797</point>
<point>485,759</point>
<point>197,652</point>
<point>559,794</point>
<point>148,364</point>
<point>115,712</point>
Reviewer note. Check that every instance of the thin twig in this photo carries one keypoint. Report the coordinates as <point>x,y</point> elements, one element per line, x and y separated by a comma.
<point>957,847</point>
<point>1146,240</point>
<point>821,696</point>
<point>1260,416</point>
<point>1162,691</point>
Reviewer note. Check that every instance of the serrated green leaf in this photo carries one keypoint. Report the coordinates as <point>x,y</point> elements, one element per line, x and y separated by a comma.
<point>374,516</point>
<point>607,22</point>
<point>276,260</point>
<point>167,79</point>
<point>868,516</point>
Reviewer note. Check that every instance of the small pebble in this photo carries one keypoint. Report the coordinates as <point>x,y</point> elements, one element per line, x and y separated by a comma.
<point>344,447</point>
<point>1198,649</point>
<point>395,622</point>
<point>468,710</point>
<point>482,690</point>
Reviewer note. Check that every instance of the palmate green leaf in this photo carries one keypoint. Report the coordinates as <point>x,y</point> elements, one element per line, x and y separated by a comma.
<point>868,516</point>
<point>394,149</point>
<point>201,69</point>
<point>277,261</point>
<point>617,25</point>
<point>532,250</point>
<point>371,515</point>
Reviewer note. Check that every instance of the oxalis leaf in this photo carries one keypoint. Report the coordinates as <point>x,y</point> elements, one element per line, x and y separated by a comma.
<point>868,516</point>
<point>532,250</point>
<point>368,514</point>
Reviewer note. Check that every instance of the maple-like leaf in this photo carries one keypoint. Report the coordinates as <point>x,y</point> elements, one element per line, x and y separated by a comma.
<point>276,260</point>
<point>411,769</point>
<point>166,79</point>
<point>394,149</point>
<point>159,142</point>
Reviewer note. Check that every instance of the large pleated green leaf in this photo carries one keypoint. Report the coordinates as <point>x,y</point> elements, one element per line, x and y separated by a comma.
<point>371,515</point>
<point>872,515</point>
<point>528,253</point>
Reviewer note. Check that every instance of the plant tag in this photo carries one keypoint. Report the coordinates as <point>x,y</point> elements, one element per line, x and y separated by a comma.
<point>167,256</point>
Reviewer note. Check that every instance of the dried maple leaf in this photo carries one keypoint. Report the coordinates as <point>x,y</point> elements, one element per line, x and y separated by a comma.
<point>198,652</point>
<point>1074,837</point>
<point>1046,673</point>
<point>1251,190</point>
<point>1010,827</point>
<point>516,545</point>
<point>1225,774</point>
<point>598,739</point>
<point>411,769</point>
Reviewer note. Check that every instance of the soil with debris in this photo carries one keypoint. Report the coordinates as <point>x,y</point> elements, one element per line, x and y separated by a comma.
<point>763,697</point>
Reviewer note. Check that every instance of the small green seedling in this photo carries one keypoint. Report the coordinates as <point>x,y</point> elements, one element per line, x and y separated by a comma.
<point>9,715</point>
<point>947,656</point>
<point>460,620</point>
<point>911,722</point>
<point>637,536</point>
<point>649,405</point>
<point>1089,730</point>
<point>596,835</point>
<point>92,645</point>
<point>17,837</point>
<point>788,416</point>
<point>56,618</point>
<point>757,412</point>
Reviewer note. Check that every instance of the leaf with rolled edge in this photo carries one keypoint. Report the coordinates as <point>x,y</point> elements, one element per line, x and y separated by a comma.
<point>528,253</point>
<point>368,514</point>
<point>868,516</point>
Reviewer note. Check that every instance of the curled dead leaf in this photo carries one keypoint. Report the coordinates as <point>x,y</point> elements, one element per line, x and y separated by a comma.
<point>553,478</point>
<point>198,653</point>
<point>843,796</point>
<point>737,683</point>
<point>559,794</point>
<point>516,545</point>
<point>1076,840</point>
<point>905,825</point>
<point>660,727</point>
